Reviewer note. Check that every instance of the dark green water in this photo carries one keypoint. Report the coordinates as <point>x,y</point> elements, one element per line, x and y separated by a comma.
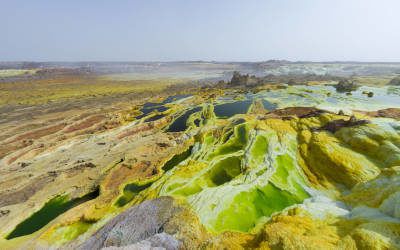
<point>50,211</point>
<point>130,191</point>
<point>268,105</point>
<point>230,109</point>
<point>133,189</point>
<point>174,98</point>
<point>177,159</point>
<point>154,118</point>
<point>180,123</point>
<point>149,107</point>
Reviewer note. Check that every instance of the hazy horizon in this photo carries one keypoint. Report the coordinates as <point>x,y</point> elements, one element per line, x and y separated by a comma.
<point>198,61</point>
<point>221,31</point>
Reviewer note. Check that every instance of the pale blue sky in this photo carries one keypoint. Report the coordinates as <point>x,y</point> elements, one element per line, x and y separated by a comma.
<point>222,30</point>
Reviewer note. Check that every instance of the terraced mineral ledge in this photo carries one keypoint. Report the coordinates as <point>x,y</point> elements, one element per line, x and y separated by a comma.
<point>300,167</point>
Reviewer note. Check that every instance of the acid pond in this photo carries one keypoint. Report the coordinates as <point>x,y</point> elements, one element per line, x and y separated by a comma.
<point>150,107</point>
<point>230,109</point>
<point>48,212</point>
<point>179,124</point>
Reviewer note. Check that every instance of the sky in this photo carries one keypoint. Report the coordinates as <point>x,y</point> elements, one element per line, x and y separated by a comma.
<point>210,30</point>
